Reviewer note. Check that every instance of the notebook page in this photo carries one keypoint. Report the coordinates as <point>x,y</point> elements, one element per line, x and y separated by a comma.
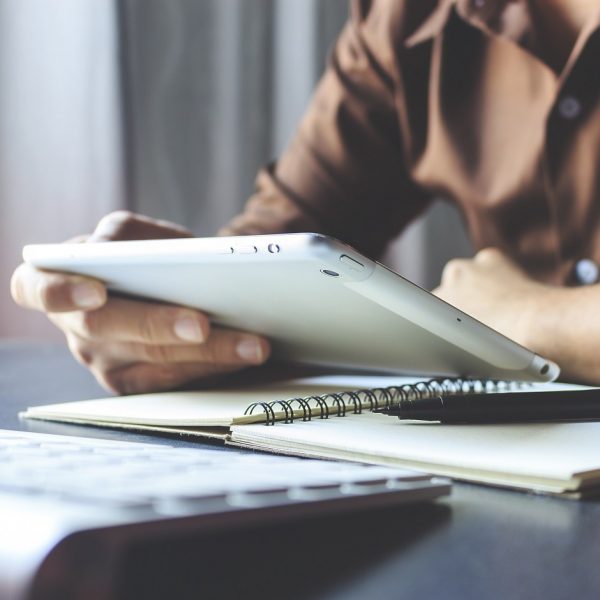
<point>220,407</point>
<point>551,456</point>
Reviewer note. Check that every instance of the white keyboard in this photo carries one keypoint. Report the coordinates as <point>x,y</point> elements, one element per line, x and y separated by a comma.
<point>181,481</point>
<point>72,508</point>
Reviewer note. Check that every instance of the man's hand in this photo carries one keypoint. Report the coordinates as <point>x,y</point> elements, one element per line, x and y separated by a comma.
<point>134,346</point>
<point>491,288</point>
<point>559,323</point>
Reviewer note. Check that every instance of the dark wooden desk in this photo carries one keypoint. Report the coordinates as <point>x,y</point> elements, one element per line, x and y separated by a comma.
<point>480,543</point>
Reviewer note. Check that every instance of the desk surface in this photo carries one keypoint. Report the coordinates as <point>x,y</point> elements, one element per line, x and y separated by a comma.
<point>479,543</point>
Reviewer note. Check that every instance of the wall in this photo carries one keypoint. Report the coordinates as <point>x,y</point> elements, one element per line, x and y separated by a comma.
<point>60,149</point>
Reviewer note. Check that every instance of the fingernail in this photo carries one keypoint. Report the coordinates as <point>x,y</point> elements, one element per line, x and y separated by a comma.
<point>188,329</point>
<point>85,295</point>
<point>250,350</point>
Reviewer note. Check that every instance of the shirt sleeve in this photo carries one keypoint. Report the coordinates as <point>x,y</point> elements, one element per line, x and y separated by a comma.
<point>344,172</point>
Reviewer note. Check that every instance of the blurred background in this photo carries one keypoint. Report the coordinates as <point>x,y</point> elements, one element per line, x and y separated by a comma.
<point>164,107</point>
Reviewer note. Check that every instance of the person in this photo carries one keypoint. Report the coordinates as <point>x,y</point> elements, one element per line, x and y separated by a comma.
<point>492,104</point>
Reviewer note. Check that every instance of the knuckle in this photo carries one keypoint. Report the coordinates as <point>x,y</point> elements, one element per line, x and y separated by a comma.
<point>80,351</point>
<point>453,271</point>
<point>89,324</point>
<point>157,354</point>
<point>149,327</point>
<point>117,218</point>
<point>220,350</point>
<point>125,379</point>
<point>114,224</point>
<point>488,255</point>
<point>212,351</point>
<point>48,292</point>
<point>113,380</point>
<point>138,378</point>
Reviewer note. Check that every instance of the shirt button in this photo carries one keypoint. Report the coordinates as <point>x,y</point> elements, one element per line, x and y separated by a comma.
<point>586,271</point>
<point>569,107</point>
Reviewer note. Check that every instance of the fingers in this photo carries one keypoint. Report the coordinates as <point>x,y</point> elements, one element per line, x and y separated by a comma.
<point>55,292</point>
<point>124,320</point>
<point>130,367</point>
<point>143,378</point>
<point>133,346</point>
<point>124,225</point>
<point>223,347</point>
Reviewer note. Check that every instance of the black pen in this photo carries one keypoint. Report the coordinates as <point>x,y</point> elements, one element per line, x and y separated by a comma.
<point>502,407</point>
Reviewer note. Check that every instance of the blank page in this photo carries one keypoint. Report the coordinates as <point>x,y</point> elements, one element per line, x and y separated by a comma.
<point>552,456</point>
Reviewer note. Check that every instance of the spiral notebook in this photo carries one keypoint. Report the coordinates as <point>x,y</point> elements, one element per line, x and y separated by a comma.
<point>330,417</point>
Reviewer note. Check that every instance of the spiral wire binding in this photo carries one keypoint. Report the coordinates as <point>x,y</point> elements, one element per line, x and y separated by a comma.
<point>356,401</point>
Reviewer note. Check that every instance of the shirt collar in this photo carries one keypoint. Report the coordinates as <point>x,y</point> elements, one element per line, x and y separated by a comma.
<point>481,13</point>
<point>477,12</point>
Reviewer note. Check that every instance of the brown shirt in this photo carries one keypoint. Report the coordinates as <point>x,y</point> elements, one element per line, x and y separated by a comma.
<point>446,98</point>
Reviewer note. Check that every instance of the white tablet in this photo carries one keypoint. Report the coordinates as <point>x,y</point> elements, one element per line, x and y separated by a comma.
<point>318,300</point>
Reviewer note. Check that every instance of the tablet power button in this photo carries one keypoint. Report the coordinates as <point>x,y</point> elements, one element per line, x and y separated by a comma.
<point>352,264</point>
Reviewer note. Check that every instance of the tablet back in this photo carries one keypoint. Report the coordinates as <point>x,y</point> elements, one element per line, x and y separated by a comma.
<point>317,299</point>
